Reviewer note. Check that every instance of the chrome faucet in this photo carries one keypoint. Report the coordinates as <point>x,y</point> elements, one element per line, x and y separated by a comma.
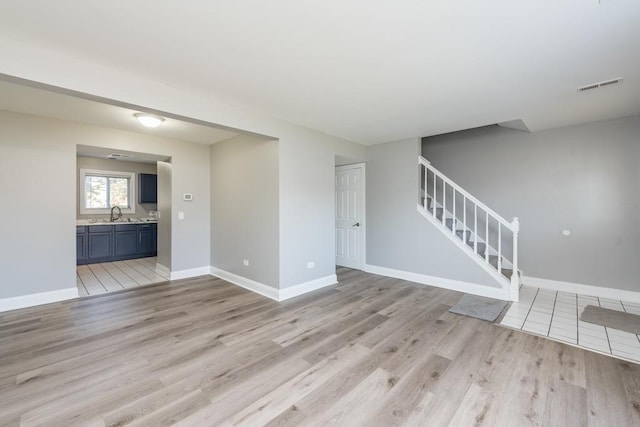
<point>111,218</point>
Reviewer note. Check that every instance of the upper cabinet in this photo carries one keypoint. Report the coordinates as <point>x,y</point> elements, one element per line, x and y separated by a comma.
<point>148,188</point>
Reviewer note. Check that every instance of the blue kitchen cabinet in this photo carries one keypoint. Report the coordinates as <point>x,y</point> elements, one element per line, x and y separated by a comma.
<point>154,244</point>
<point>100,243</point>
<point>105,243</point>
<point>147,188</point>
<point>146,238</point>
<point>126,241</point>
<point>82,244</point>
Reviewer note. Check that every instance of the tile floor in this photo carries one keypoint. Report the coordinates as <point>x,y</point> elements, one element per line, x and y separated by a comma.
<point>94,279</point>
<point>556,315</point>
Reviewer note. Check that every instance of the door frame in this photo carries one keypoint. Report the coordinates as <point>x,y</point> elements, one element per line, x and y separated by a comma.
<point>363,226</point>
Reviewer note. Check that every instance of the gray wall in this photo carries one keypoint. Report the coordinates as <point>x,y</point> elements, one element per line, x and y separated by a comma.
<point>244,208</point>
<point>37,224</point>
<point>300,224</point>
<point>38,177</point>
<point>582,178</point>
<point>307,204</point>
<point>273,203</point>
<point>398,236</point>
<point>118,166</point>
<point>164,213</point>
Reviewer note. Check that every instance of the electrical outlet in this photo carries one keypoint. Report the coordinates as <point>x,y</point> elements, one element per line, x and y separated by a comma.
<point>311,264</point>
<point>245,262</point>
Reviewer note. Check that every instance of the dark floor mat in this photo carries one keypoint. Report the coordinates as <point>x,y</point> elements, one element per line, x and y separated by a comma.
<point>611,318</point>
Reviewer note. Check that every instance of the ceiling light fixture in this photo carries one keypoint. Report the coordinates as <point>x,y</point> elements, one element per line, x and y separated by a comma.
<point>149,120</point>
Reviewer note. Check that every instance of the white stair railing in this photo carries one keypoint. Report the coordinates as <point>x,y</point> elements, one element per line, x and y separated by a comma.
<point>489,239</point>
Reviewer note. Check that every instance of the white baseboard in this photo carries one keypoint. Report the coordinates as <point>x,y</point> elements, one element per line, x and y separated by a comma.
<point>30,300</point>
<point>499,278</point>
<point>191,272</point>
<point>273,293</point>
<point>243,282</point>
<point>579,288</point>
<point>303,288</point>
<point>163,271</point>
<point>441,282</point>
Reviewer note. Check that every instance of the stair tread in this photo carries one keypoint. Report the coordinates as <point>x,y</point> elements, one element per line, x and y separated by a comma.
<point>450,222</point>
<point>481,246</point>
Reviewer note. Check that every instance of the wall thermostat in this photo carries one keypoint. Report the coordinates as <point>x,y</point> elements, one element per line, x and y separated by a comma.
<point>187,196</point>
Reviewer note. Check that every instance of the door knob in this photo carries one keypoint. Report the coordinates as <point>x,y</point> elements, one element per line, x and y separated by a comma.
<point>357,224</point>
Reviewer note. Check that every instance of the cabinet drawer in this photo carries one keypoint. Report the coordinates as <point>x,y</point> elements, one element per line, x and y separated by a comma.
<point>145,226</point>
<point>126,227</point>
<point>81,229</point>
<point>100,228</point>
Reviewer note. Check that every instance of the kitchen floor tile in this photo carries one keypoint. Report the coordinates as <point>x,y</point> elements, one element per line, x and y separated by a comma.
<point>556,315</point>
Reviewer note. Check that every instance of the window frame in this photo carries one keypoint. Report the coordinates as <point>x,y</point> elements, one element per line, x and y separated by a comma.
<point>131,176</point>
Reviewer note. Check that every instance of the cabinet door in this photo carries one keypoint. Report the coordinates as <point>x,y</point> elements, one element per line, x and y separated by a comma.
<point>145,240</point>
<point>148,188</point>
<point>81,245</point>
<point>100,246</point>
<point>126,243</point>
<point>154,237</point>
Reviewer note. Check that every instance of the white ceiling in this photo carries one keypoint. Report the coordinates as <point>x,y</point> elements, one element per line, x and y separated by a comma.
<point>36,101</point>
<point>128,156</point>
<point>369,71</point>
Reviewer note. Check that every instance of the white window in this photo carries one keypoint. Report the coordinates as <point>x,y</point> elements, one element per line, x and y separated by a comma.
<point>102,190</point>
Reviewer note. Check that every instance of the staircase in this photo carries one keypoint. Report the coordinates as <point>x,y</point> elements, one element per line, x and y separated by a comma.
<point>486,237</point>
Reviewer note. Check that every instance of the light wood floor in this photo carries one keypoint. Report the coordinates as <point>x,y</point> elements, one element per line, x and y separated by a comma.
<point>95,279</point>
<point>374,351</point>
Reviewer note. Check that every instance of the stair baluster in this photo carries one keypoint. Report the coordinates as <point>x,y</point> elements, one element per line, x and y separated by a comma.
<point>478,247</point>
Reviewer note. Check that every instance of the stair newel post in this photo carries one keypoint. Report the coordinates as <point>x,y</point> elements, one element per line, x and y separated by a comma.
<point>515,282</point>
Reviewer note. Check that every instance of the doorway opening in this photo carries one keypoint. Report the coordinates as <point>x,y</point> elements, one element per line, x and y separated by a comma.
<point>123,219</point>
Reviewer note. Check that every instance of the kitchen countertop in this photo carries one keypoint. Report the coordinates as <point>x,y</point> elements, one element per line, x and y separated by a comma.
<point>106,221</point>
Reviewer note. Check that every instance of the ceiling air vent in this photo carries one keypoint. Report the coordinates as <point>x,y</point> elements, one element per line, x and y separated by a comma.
<point>589,87</point>
<point>600,84</point>
<point>611,82</point>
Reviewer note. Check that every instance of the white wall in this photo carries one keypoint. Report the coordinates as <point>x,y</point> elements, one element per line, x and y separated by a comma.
<point>38,174</point>
<point>141,210</point>
<point>244,208</point>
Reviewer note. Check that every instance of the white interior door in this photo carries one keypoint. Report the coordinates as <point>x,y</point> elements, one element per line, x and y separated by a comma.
<point>350,216</point>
